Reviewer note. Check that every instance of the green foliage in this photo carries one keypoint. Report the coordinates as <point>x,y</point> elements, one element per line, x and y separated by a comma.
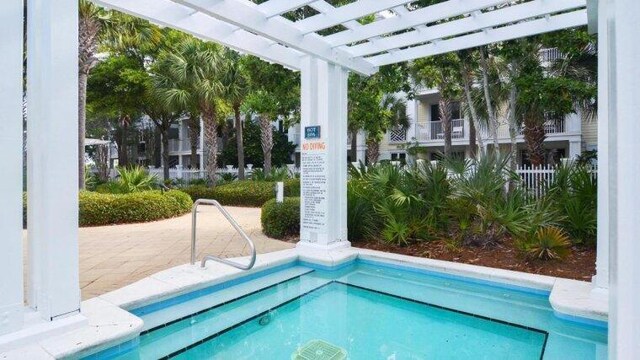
<point>280,154</point>
<point>105,209</point>
<point>276,174</point>
<point>281,219</point>
<point>130,180</point>
<point>548,243</point>
<point>362,222</point>
<point>573,194</point>
<point>243,193</point>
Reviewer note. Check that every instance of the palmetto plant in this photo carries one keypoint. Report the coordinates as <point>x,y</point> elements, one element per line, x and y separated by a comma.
<point>548,243</point>
<point>133,179</point>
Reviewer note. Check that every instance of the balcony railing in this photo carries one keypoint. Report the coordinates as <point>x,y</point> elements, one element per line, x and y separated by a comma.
<point>174,144</point>
<point>434,130</point>
<point>553,126</point>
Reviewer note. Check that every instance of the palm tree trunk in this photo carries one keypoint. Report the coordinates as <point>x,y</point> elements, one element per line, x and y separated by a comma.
<point>354,146</point>
<point>373,151</point>
<point>164,135</point>
<point>88,29</point>
<point>513,126</point>
<point>266,138</point>
<point>239,140</point>
<point>473,146</point>
<point>194,139</point>
<point>82,125</point>
<point>474,123</point>
<point>534,137</point>
<point>211,142</point>
<point>493,123</point>
<point>445,115</point>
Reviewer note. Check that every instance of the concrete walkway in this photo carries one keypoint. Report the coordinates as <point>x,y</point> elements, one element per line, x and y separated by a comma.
<point>114,256</point>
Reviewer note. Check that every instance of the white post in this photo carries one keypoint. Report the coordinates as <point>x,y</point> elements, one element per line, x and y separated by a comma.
<point>323,221</point>
<point>575,149</point>
<point>11,288</point>
<point>601,279</point>
<point>52,95</point>
<point>624,190</point>
<point>180,135</point>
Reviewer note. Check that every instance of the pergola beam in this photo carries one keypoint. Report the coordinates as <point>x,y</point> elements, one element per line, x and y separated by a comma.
<point>167,13</point>
<point>245,15</point>
<point>469,24</point>
<point>520,30</point>
<point>273,8</point>
<point>415,18</point>
<point>353,11</point>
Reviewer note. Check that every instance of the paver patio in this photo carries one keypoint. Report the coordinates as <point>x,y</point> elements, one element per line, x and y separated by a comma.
<point>114,256</point>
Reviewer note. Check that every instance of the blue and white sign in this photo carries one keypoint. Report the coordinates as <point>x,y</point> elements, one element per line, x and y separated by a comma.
<point>312,132</point>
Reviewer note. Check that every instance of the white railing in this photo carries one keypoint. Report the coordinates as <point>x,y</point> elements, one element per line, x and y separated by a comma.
<point>437,130</point>
<point>188,175</point>
<point>536,179</point>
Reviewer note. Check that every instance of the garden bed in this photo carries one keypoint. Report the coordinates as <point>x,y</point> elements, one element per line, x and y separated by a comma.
<point>579,263</point>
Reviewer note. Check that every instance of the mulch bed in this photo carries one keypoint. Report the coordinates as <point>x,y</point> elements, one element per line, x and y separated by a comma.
<point>578,265</point>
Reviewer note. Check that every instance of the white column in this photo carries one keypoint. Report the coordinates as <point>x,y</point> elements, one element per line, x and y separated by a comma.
<point>575,148</point>
<point>180,137</point>
<point>601,280</point>
<point>52,156</point>
<point>11,289</point>
<point>324,185</point>
<point>624,190</point>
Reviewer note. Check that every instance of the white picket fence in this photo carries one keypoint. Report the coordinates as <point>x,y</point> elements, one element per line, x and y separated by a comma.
<point>536,179</point>
<point>188,175</point>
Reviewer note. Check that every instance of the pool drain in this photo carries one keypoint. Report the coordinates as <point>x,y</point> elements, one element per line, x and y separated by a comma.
<point>319,350</point>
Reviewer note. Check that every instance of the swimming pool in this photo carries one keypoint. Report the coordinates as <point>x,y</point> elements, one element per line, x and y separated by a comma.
<point>361,310</point>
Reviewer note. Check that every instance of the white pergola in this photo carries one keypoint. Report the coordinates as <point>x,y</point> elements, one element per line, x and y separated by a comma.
<point>399,33</point>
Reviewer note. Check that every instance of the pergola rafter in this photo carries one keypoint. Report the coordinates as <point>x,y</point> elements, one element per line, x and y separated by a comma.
<point>245,14</point>
<point>400,32</point>
<point>467,25</point>
<point>485,37</point>
<point>166,13</point>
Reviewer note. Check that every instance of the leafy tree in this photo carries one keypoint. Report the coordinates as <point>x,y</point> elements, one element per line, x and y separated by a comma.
<point>236,85</point>
<point>274,92</point>
<point>280,154</point>
<point>191,79</point>
<point>443,73</point>
<point>97,27</point>
<point>113,93</point>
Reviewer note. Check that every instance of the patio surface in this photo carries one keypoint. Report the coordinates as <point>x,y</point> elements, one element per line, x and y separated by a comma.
<point>114,256</point>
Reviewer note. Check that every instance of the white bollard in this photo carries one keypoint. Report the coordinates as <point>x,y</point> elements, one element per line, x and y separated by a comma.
<point>279,192</point>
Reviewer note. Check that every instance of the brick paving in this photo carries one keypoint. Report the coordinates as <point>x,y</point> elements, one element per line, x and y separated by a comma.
<point>114,256</point>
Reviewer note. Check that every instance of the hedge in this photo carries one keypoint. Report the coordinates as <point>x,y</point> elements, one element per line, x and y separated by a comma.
<point>243,193</point>
<point>281,219</point>
<point>110,209</point>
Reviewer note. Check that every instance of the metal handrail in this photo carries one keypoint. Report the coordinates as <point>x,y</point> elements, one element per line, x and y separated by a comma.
<point>194,215</point>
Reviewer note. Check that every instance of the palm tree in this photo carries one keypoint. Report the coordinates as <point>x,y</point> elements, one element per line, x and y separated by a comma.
<point>393,114</point>
<point>491,112</point>
<point>193,80</point>
<point>236,90</point>
<point>466,75</point>
<point>97,26</point>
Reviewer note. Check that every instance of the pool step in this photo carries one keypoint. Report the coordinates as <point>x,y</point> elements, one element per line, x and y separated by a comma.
<point>195,329</point>
<point>457,295</point>
<point>195,305</point>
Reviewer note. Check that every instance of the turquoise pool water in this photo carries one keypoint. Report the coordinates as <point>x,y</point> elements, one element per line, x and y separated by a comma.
<point>368,311</point>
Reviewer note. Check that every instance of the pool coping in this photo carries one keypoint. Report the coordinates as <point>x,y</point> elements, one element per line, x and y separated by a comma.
<point>110,324</point>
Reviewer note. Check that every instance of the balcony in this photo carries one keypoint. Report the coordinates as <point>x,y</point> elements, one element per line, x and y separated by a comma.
<point>177,145</point>
<point>434,130</point>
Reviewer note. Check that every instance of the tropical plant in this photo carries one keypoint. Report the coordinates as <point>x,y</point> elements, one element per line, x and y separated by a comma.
<point>275,174</point>
<point>548,243</point>
<point>129,180</point>
<point>191,79</point>
<point>236,87</point>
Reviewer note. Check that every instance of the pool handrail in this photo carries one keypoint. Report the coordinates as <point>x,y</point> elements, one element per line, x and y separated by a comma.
<point>232,221</point>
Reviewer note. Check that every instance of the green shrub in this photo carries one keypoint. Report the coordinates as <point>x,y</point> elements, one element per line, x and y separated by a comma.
<point>105,209</point>
<point>281,219</point>
<point>243,193</point>
<point>547,243</point>
<point>130,180</point>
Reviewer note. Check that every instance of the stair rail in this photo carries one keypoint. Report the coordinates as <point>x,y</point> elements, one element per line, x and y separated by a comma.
<point>232,221</point>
